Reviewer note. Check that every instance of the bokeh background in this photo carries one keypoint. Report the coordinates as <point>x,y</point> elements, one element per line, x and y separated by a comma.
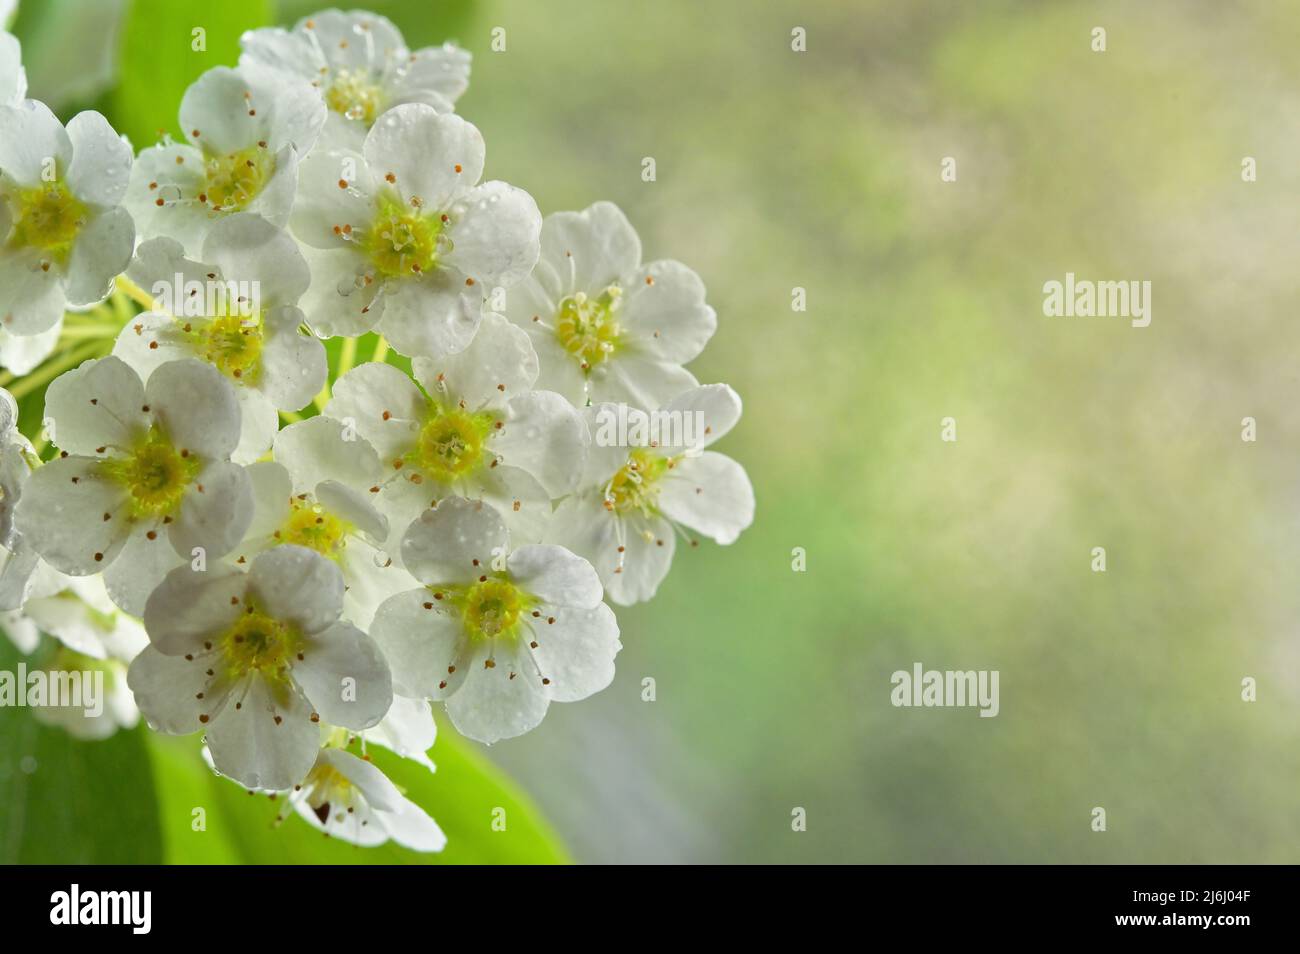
<point>821,170</point>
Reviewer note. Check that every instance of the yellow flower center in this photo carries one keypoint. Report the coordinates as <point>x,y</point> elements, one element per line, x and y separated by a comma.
<point>234,180</point>
<point>635,487</point>
<point>47,217</point>
<point>354,96</point>
<point>451,443</point>
<point>311,525</point>
<point>588,328</point>
<point>258,643</point>
<point>232,343</point>
<point>155,474</point>
<point>403,240</point>
<point>492,608</point>
<point>328,791</point>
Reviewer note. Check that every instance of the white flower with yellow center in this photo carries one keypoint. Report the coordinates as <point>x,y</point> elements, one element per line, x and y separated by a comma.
<point>236,309</point>
<point>605,326</point>
<point>350,799</point>
<point>315,495</point>
<point>64,236</point>
<point>638,494</point>
<point>497,633</point>
<point>361,66</point>
<point>476,430</point>
<point>13,78</point>
<point>244,131</point>
<point>258,659</point>
<point>145,479</point>
<point>402,236</point>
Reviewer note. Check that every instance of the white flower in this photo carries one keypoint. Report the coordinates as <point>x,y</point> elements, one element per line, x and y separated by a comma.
<point>258,659</point>
<point>361,66</point>
<point>244,132</point>
<point>67,237</point>
<point>634,499</point>
<point>496,633</point>
<point>402,237</point>
<point>408,730</point>
<point>145,478</point>
<point>13,78</point>
<point>316,495</point>
<point>115,710</point>
<point>606,327</point>
<point>237,310</point>
<point>352,800</point>
<point>476,430</point>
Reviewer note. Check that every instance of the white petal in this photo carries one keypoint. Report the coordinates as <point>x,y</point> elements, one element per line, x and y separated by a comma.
<point>293,367</point>
<point>345,677</point>
<point>196,407</point>
<point>424,150</point>
<point>718,408</point>
<point>322,448</point>
<point>31,135</point>
<point>636,379</point>
<point>373,785</point>
<point>711,494</point>
<point>61,514</point>
<point>247,248</point>
<point>498,365</point>
<point>101,160</point>
<point>576,653</point>
<point>258,421</point>
<point>323,208</point>
<point>382,403</point>
<point>555,575</point>
<point>430,315</point>
<point>545,435</point>
<point>453,541</point>
<point>424,642</point>
<point>272,489</point>
<point>495,234</point>
<point>491,705</point>
<point>355,507</point>
<point>408,730</point>
<point>13,79</point>
<point>190,607</point>
<point>31,296</point>
<point>21,353</point>
<point>436,75</point>
<point>266,741</point>
<point>523,503</point>
<point>664,314</point>
<point>139,569</point>
<point>96,404</point>
<point>589,250</point>
<point>149,341</point>
<point>166,690</point>
<point>215,511</point>
<point>631,554</point>
<point>158,175</point>
<point>339,301</point>
<point>299,585</point>
<point>101,252</point>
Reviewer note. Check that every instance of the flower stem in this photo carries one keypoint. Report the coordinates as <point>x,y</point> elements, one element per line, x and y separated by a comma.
<point>347,357</point>
<point>134,292</point>
<point>51,370</point>
<point>381,349</point>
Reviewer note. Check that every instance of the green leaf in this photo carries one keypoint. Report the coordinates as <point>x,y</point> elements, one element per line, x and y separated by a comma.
<point>461,796</point>
<point>63,801</point>
<point>159,60</point>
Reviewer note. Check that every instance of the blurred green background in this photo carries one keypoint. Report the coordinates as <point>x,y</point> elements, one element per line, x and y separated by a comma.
<point>821,170</point>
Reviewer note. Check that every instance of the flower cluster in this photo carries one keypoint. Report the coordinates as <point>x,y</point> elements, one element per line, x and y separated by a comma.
<point>318,546</point>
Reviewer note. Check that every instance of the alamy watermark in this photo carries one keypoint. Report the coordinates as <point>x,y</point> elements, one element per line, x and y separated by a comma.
<point>207,299</point>
<point>619,425</point>
<point>950,688</point>
<point>54,688</point>
<point>1082,298</point>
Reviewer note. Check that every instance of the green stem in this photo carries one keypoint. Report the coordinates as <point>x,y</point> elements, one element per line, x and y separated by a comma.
<point>347,357</point>
<point>51,370</point>
<point>381,349</point>
<point>134,292</point>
